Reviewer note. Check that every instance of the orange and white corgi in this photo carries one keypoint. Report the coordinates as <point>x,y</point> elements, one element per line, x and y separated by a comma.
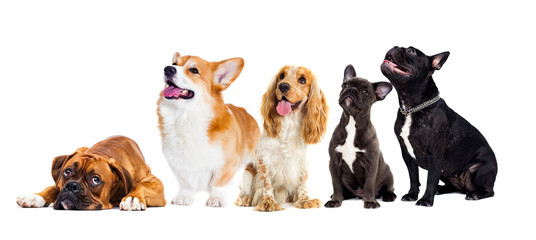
<point>204,140</point>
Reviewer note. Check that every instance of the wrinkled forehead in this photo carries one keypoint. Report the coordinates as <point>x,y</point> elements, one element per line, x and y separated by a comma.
<point>360,83</point>
<point>87,164</point>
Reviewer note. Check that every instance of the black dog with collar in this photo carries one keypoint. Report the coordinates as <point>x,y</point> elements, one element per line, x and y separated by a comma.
<point>432,135</point>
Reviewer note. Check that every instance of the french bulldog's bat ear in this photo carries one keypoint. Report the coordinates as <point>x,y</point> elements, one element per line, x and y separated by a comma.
<point>349,73</point>
<point>439,59</point>
<point>57,163</point>
<point>382,89</point>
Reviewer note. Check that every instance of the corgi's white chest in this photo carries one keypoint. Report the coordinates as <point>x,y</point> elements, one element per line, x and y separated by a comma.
<point>185,141</point>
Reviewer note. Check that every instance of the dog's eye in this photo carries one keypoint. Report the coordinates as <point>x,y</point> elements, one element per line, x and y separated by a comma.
<point>95,181</point>
<point>411,51</point>
<point>281,76</point>
<point>67,173</point>
<point>174,64</point>
<point>193,70</point>
<point>365,92</point>
<point>345,85</point>
<point>301,80</point>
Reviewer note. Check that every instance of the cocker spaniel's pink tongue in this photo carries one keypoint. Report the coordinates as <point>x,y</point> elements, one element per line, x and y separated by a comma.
<point>283,108</point>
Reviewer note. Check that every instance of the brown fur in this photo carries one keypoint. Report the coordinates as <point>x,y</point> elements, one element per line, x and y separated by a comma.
<point>121,167</point>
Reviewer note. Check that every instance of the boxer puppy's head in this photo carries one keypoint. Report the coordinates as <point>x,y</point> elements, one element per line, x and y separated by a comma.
<point>89,182</point>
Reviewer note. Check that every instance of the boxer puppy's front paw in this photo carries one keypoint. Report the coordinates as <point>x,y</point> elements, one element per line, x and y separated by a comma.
<point>31,201</point>
<point>130,203</point>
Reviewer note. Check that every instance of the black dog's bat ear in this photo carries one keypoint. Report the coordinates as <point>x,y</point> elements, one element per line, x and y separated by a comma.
<point>349,73</point>
<point>382,89</point>
<point>439,59</point>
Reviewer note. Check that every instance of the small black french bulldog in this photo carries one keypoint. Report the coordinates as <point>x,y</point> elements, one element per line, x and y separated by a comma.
<point>356,163</point>
<point>432,135</point>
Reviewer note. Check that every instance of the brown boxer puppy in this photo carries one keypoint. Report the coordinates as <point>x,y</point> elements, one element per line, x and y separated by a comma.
<point>111,173</point>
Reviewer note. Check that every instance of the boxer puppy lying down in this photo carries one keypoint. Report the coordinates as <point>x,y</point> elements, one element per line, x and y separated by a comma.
<point>111,173</point>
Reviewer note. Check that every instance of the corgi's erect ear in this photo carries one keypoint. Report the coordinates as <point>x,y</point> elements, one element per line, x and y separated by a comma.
<point>175,57</point>
<point>227,71</point>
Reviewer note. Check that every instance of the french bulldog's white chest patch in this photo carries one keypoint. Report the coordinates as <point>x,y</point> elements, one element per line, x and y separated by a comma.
<point>348,150</point>
<point>405,135</point>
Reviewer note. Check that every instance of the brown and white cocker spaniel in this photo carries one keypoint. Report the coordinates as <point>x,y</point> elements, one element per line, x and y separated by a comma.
<point>295,112</point>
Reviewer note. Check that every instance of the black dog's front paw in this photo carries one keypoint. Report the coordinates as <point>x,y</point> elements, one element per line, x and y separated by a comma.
<point>409,197</point>
<point>371,205</point>
<point>333,204</point>
<point>425,202</point>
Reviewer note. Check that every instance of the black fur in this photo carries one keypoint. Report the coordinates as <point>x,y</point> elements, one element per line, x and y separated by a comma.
<point>371,177</point>
<point>443,142</point>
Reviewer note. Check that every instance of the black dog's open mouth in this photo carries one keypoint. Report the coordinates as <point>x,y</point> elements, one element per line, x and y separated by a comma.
<point>395,67</point>
<point>172,91</point>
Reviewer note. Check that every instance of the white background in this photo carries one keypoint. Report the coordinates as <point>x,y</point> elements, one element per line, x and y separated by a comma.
<point>75,72</point>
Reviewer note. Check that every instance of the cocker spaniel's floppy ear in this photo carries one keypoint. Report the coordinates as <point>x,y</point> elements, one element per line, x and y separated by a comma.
<point>271,119</point>
<point>315,115</point>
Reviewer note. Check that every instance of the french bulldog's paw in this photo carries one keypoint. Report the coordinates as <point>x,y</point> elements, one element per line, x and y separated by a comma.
<point>130,203</point>
<point>214,202</point>
<point>371,205</point>
<point>181,200</point>
<point>308,203</point>
<point>425,202</point>
<point>409,197</point>
<point>31,201</point>
<point>333,204</point>
<point>268,205</point>
<point>244,201</point>
<point>389,197</point>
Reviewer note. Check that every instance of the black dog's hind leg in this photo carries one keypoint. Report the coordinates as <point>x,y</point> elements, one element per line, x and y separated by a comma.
<point>483,179</point>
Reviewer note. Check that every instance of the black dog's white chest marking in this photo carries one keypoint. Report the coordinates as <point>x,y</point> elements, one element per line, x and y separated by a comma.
<point>404,133</point>
<point>348,150</point>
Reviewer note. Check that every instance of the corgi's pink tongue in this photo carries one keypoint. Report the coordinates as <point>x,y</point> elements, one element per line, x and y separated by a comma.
<point>174,92</point>
<point>283,108</point>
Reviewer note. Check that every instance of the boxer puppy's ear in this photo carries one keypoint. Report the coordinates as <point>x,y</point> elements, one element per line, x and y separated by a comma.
<point>57,163</point>
<point>125,184</point>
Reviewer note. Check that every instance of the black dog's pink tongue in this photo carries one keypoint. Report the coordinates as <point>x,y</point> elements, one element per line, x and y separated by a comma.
<point>67,204</point>
<point>283,108</point>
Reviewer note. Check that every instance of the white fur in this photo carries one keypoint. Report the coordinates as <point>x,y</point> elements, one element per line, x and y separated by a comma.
<point>31,200</point>
<point>348,150</point>
<point>185,142</point>
<point>132,204</point>
<point>405,135</point>
<point>284,157</point>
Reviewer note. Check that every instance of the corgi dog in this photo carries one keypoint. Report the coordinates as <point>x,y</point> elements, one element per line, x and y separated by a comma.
<point>204,140</point>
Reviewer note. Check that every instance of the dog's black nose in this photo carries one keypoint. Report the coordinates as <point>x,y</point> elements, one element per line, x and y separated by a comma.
<point>284,87</point>
<point>73,187</point>
<point>352,91</point>
<point>170,71</point>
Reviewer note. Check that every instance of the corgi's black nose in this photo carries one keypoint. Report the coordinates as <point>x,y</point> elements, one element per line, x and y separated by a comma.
<point>170,71</point>
<point>284,87</point>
